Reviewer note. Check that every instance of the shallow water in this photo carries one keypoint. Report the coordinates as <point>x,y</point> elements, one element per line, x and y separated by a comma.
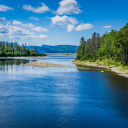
<point>61,97</point>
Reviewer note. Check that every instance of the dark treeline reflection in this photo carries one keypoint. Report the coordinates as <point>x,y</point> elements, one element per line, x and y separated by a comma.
<point>11,62</point>
<point>117,89</point>
<point>9,65</point>
<point>119,101</point>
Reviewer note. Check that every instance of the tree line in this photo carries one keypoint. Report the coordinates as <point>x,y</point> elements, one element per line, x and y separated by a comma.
<point>112,47</point>
<point>13,49</point>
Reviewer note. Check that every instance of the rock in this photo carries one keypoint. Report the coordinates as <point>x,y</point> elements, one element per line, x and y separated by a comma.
<point>109,67</point>
<point>46,65</point>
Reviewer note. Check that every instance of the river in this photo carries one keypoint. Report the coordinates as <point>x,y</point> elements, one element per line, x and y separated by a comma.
<point>61,97</point>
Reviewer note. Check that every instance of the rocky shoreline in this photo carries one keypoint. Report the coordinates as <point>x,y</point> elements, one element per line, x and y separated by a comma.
<point>47,65</point>
<point>112,68</point>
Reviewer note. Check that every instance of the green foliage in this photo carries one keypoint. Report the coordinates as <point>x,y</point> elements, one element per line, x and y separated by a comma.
<point>89,48</point>
<point>121,45</point>
<point>13,49</point>
<point>111,46</point>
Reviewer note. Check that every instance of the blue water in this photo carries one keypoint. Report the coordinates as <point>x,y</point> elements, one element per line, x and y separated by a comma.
<point>61,97</point>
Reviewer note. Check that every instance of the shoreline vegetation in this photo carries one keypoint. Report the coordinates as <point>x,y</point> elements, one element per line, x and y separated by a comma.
<point>14,50</point>
<point>119,69</point>
<point>108,51</point>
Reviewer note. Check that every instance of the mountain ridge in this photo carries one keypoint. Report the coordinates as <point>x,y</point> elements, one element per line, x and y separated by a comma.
<point>55,48</point>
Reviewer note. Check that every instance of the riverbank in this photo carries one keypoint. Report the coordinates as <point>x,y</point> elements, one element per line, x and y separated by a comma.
<point>26,57</point>
<point>61,54</point>
<point>47,65</point>
<point>38,57</point>
<point>119,70</point>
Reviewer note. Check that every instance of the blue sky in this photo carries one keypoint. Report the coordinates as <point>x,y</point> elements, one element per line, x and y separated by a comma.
<point>56,22</point>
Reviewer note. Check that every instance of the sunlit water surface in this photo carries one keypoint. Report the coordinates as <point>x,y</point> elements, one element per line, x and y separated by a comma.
<point>61,97</point>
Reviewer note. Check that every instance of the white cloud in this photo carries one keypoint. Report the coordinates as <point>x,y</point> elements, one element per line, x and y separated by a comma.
<point>18,30</point>
<point>5,8</point>
<point>34,18</point>
<point>70,23</point>
<point>43,36</point>
<point>70,27</point>
<point>39,29</point>
<point>41,9</point>
<point>18,23</point>
<point>83,27</point>
<point>68,7</point>
<point>3,29</point>
<point>2,18</point>
<point>14,32</point>
<point>19,33</point>
<point>30,26</point>
<point>65,21</point>
<point>107,27</point>
<point>15,22</point>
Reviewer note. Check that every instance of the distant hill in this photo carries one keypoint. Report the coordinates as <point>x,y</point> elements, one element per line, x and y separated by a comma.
<point>55,49</point>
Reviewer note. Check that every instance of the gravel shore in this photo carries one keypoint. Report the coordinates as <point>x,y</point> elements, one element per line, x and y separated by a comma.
<point>114,69</point>
<point>46,65</point>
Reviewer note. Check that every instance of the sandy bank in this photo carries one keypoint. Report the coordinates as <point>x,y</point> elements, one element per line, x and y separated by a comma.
<point>112,68</point>
<point>46,65</point>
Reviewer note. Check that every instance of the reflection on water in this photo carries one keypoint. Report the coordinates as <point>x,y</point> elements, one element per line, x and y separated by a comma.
<point>7,65</point>
<point>13,62</point>
<point>61,97</point>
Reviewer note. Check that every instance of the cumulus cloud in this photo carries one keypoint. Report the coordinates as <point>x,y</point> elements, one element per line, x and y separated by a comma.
<point>15,22</point>
<point>83,27</point>
<point>34,18</point>
<point>14,32</point>
<point>3,29</point>
<point>18,30</point>
<point>68,7</point>
<point>2,18</point>
<point>5,8</point>
<point>18,23</point>
<point>39,29</point>
<point>19,33</point>
<point>70,27</point>
<point>41,9</point>
<point>65,21</point>
<point>30,26</point>
<point>107,27</point>
<point>70,22</point>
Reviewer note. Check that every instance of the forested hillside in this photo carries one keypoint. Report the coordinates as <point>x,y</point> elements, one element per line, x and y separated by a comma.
<point>13,49</point>
<point>112,47</point>
<point>55,49</point>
